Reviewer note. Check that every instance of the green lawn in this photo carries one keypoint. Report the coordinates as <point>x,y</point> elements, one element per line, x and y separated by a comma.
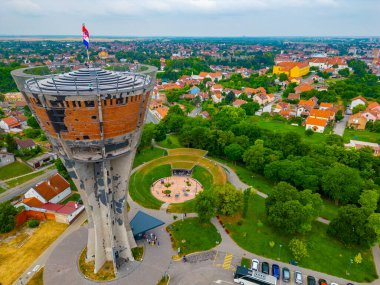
<point>140,183</point>
<point>254,235</point>
<point>147,155</point>
<point>183,236</point>
<point>14,182</point>
<point>205,178</point>
<point>364,135</point>
<point>13,170</point>
<point>280,127</point>
<point>171,141</point>
<point>73,197</point>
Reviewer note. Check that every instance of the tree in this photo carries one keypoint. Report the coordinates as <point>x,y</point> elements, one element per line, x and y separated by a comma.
<point>345,72</point>
<point>160,132</point>
<point>339,116</point>
<point>61,168</point>
<point>230,97</point>
<point>336,185</point>
<point>250,108</point>
<point>10,143</point>
<point>358,109</point>
<point>374,223</point>
<point>368,200</point>
<point>229,200</point>
<point>283,77</point>
<point>334,140</point>
<point>290,210</point>
<point>254,156</point>
<point>32,122</point>
<point>147,136</point>
<point>233,152</point>
<point>7,217</point>
<point>351,227</point>
<point>176,109</point>
<point>298,249</point>
<point>205,206</point>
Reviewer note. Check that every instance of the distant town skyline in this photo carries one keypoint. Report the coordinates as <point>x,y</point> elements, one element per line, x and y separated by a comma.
<point>214,18</point>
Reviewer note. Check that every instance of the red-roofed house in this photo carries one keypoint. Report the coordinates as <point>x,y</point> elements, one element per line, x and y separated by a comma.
<point>10,124</point>
<point>239,102</point>
<point>303,88</point>
<point>325,106</point>
<point>52,190</point>
<point>315,124</point>
<point>359,100</point>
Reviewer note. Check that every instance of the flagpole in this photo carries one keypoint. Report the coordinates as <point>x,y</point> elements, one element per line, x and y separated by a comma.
<point>88,57</point>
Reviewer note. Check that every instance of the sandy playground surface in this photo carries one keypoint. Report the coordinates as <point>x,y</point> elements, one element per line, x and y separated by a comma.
<point>181,188</point>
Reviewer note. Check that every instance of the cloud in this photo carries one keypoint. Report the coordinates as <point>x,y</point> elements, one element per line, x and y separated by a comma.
<point>142,7</point>
<point>23,7</point>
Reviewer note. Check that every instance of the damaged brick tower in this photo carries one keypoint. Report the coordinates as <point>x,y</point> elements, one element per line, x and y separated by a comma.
<point>93,119</point>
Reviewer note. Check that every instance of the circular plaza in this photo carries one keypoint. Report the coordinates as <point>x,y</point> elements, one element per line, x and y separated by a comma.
<point>176,189</point>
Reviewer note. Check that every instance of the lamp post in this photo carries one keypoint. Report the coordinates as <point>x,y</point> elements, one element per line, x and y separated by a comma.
<point>279,252</point>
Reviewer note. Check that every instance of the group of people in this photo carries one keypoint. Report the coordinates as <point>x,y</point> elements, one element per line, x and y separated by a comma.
<point>152,239</point>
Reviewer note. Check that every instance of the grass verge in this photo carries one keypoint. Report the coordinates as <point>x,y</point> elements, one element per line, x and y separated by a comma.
<point>73,197</point>
<point>138,253</point>
<point>14,182</point>
<point>183,237</point>
<point>38,278</point>
<point>171,141</point>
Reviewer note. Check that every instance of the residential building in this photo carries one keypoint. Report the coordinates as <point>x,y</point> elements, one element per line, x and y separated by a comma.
<point>360,144</point>
<point>303,88</point>
<point>25,144</point>
<point>316,124</point>
<point>239,102</point>
<point>292,68</point>
<point>194,90</point>
<point>52,190</point>
<point>41,160</point>
<point>326,106</point>
<point>10,124</point>
<point>6,158</point>
<point>357,122</point>
<point>359,100</point>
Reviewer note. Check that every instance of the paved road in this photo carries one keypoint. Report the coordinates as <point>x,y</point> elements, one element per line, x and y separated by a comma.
<point>195,112</point>
<point>340,126</point>
<point>150,118</point>
<point>21,189</point>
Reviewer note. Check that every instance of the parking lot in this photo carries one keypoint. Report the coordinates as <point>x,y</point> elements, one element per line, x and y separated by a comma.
<point>228,262</point>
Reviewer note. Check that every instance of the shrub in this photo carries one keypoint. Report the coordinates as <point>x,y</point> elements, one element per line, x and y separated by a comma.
<point>309,132</point>
<point>33,223</point>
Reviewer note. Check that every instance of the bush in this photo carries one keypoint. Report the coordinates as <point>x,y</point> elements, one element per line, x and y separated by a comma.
<point>298,249</point>
<point>309,132</point>
<point>33,223</point>
<point>247,194</point>
<point>7,217</point>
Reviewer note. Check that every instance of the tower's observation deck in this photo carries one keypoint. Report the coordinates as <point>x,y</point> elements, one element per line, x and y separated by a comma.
<point>93,119</point>
<point>90,113</point>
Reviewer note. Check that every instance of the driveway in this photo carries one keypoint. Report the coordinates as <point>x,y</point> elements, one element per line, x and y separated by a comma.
<point>341,125</point>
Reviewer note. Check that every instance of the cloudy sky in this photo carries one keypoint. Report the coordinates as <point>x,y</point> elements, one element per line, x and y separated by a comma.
<point>191,17</point>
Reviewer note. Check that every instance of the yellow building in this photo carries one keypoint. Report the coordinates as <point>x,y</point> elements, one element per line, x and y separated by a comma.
<point>292,69</point>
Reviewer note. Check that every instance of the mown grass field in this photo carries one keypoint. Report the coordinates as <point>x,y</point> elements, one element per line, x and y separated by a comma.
<point>73,197</point>
<point>13,170</point>
<point>184,238</point>
<point>19,253</point>
<point>183,165</point>
<point>364,135</point>
<point>148,155</point>
<point>18,181</point>
<point>187,151</point>
<point>254,235</point>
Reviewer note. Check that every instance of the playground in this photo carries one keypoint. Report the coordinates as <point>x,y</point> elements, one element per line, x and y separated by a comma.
<point>176,189</point>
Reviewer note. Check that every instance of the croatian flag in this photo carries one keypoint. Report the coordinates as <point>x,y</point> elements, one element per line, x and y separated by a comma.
<point>86,36</point>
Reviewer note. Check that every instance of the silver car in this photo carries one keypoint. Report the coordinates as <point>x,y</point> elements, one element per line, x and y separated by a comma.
<point>298,277</point>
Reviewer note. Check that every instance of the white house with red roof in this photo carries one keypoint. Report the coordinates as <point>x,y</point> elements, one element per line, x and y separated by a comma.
<point>10,124</point>
<point>239,102</point>
<point>316,124</point>
<point>359,100</point>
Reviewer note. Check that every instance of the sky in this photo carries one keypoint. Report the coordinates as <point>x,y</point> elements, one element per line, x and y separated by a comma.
<point>230,18</point>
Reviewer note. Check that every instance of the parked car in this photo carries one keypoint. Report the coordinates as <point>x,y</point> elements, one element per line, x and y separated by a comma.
<point>285,274</point>
<point>298,277</point>
<point>311,280</point>
<point>265,267</point>
<point>276,271</point>
<point>322,282</point>
<point>332,283</point>
<point>255,264</point>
